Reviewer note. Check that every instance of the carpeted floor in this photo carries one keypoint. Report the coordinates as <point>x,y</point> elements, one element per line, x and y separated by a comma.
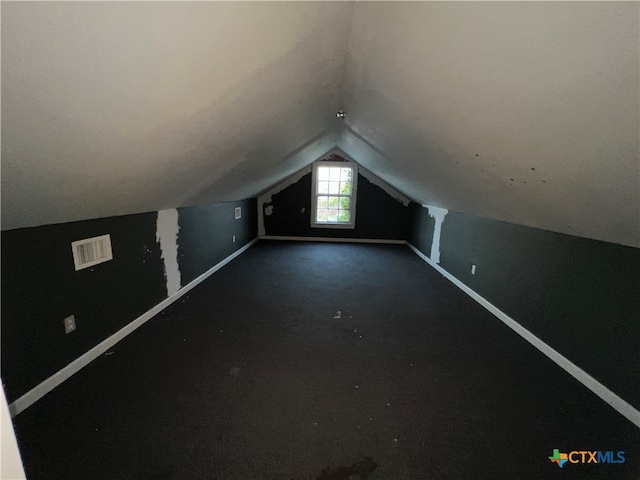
<point>322,361</point>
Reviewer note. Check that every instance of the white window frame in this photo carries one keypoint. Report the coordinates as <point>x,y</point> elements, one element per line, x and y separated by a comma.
<point>352,203</point>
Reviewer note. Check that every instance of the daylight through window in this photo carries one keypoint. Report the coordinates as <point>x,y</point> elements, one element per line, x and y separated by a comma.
<point>334,194</point>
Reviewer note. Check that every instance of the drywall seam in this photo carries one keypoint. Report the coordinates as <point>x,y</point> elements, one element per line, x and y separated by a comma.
<point>617,403</point>
<point>167,237</point>
<point>265,198</point>
<point>332,239</point>
<point>438,215</point>
<point>82,361</point>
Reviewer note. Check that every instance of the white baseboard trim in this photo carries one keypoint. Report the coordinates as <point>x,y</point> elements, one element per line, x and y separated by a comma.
<point>39,391</point>
<point>332,239</point>
<point>617,403</point>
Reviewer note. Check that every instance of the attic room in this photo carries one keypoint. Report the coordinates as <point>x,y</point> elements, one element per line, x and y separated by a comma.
<point>320,240</point>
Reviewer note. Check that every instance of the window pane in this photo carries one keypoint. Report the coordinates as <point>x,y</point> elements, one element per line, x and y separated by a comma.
<point>345,174</point>
<point>334,191</point>
<point>323,173</point>
<point>345,188</point>
<point>321,216</point>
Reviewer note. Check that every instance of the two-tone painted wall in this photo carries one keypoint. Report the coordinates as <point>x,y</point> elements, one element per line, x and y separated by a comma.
<point>381,212</point>
<point>579,296</point>
<point>154,255</point>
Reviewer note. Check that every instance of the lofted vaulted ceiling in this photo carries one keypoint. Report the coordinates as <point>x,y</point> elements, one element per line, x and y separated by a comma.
<point>524,112</point>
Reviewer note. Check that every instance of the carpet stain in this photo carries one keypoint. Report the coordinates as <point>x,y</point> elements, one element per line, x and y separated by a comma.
<point>361,469</point>
<point>167,472</point>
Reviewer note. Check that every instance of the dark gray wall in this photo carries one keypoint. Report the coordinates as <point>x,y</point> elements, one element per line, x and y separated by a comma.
<point>580,296</point>
<point>40,286</point>
<point>206,235</point>
<point>378,215</point>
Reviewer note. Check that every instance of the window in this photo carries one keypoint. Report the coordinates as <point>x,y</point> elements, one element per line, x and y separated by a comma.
<point>334,194</point>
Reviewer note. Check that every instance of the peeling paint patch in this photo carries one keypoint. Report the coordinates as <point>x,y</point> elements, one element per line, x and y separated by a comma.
<point>438,215</point>
<point>287,182</point>
<point>392,192</point>
<point>265,199</point>
<point>167,236</point>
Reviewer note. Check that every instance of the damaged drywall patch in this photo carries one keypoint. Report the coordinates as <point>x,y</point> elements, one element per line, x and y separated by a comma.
<point>438,215</point>
<point>167,236</point>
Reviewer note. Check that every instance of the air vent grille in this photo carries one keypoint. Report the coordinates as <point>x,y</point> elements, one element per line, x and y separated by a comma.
<point>91,251</point>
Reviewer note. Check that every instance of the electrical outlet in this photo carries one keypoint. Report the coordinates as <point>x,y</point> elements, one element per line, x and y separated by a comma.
<point>234,239</point>
<point>69,324</point>
<point>473,269</point>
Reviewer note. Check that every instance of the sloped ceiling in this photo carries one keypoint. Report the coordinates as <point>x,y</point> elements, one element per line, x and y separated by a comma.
<point>524,112</point>
<point>112,108</point>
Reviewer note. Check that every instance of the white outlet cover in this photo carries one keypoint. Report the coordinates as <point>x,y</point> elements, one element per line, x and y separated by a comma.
<point>473,269</point>
<point>69,324</point>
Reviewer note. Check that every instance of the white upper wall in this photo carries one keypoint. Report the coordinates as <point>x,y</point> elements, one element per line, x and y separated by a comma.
<point>112,108</point>
<point>450,101</point>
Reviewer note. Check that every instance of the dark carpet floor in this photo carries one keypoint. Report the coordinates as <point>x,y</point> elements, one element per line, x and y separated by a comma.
<point>253,377</point>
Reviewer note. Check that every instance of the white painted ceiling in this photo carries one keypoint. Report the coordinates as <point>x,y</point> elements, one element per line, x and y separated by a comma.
<point>117,108</point>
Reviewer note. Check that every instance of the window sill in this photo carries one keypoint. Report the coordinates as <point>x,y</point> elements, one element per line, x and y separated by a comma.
<point>333,225</point>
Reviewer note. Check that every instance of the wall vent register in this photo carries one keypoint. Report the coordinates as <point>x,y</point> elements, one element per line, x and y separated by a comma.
<point>91,251</point>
